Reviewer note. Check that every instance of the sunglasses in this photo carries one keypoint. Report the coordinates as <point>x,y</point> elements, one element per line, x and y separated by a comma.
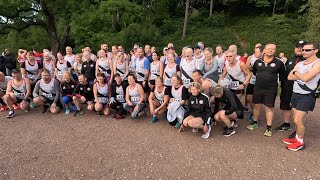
<point>228,56</point>
<point>307,50</point>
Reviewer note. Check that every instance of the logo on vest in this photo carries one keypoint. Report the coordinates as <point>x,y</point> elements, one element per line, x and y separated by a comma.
<point>201,102</point>
<point>272,64</point>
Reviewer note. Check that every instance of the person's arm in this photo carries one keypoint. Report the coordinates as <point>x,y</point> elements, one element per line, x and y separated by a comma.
<point>188,109</point>
<point>82,68</point>
<point>28,88</point>
<point>207,109</point>
<point>184,96</point>
<point>127,96</point>
<point>223,75</point>
<point>141,92</point>
<point>9,87</point>
<point>165,99</point>
<point>247,73</point>
<point>35,92</point>
<point>151,95</point>
<point>147,70</point>
<point>161,69</point>
<point>248,63</point>
<point>254,68</point>
<point>97,69</point>
<point>282,71</point>
<point>69,68</point>
<point>57,91</point>
<point>215,68</point>
<point>23,70</point>
<point>127,69</point>
<point>76,90</point>
<point>111,69</point>
<point>95,92</point>
<point>315,70</point>
<point>39,71</point>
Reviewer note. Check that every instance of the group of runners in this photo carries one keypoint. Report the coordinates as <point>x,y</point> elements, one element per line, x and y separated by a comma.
<point>195,89</point>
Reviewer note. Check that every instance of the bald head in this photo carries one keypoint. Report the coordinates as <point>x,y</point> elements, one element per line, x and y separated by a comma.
<point>233,48</point>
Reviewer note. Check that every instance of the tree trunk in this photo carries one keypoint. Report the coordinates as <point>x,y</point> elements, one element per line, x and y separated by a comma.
<point>52,32</point>
<point>211,8</point>
<point>186,14</point>
<point>274,7</point>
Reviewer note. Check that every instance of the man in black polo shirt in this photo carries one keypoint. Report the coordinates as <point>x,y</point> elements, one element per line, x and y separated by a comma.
<point>287,86</point>
<point>266,71</point>
<point>88,67</point>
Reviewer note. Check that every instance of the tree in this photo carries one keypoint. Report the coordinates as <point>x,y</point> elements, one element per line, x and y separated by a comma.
<point>185,19</point>
<point>312,16</point>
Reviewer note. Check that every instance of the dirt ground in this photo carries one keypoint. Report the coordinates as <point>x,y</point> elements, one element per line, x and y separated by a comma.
<point>36,146</point>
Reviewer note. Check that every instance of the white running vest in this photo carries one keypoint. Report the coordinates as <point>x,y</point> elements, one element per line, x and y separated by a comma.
<point>188,67</point>
<point>237,73</point>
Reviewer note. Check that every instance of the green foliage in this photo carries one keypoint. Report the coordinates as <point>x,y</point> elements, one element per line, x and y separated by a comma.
<point>218,19</point>
<point>312,17</point>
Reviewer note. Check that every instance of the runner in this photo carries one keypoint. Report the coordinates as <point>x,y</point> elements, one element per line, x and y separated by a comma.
<point>67,87</point>
<point>134,97</point>
<point>47,94</point>
<point>198,112</point>
<point>232,110</point>
<point>250,88</point>
<point>18,91</point>
<point>178,100</point>
<point>199,57</point>
<point>156,70</point>
<point>104,65</point>
<point>31,69</point>
<point>187,66</point>
<point>121,68</point>
<point>142,69</point>
<point>206,84</point>
<point>237,74</point>
<point>287,86</point>
<point>267,71</point>
<point>101,95</point>
<point>71,59</point>
<point>77,66</point>
<point>170,70</point>
<point>83,93</point>
<point>62,67</point>
<point>117,99</point>
<point>211,66</point>
<point>158,99</point>
<point>220,58</point>
<point>88,67</point>
<point>4,80</point>
<point>48,63</point>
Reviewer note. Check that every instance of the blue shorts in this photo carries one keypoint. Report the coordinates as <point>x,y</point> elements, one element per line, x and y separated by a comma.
<point>303,102</point>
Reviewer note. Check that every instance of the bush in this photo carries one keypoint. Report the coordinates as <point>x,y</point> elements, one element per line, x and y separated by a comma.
<point>218,19</point>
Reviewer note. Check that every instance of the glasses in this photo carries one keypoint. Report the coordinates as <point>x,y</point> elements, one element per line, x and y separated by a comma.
<point>307,50</point>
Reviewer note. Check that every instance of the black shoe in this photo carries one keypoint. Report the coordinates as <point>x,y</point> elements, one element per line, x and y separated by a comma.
<point>99,113</point>
<point>78,113</point>
<point>11,114</point>
<point>229,132</point>
<point>283,127</point>
<point>292,135</point>
<point>45,109</point>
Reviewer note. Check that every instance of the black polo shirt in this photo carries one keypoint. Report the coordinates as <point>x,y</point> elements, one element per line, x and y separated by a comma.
<point>88,69</point>
<point>267,75</point>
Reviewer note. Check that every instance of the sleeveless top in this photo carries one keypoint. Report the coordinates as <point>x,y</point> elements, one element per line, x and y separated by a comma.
<point>253,77</point>
<point>177,93</point>
<point>154,70</point>
<point>62,68</point>
<point>49,67</point>
<point>236,75</point>
<point>70,59</point>
<point>32,70</point>
<point>168,73</point>
<point>104,66</point>
<point>121,69</point>
<point>140,70</point>
<point>159,95</point>
<point>299,85</point>
<point>19,91</point>
<point>188,68</point>
<point>102,93</point>
<point>221,62</point>
<point>134,94</point>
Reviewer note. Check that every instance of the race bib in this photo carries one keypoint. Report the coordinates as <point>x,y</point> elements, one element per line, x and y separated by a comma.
<point>19,95</point>
<point>47,95</point>
<point>186,81</point>
<point>154,71</point>
<point>140,70</point>
<point>120,98</point>
<point>31,76</point>
<point>219,70</point>
<point>103,100</point>
<point>234,84</point>
<point>161,102</point>
<point>168,80</point>
<point>177,100</point>
<point>253,79</point>
<point>135,99</point>
<point>60,73</point>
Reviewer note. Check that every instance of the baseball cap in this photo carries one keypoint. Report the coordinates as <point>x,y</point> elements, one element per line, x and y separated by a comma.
<point>300,43</point>
<point>197,47</point>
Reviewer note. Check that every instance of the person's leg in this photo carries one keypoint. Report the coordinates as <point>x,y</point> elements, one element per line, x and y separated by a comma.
<point>269,115</point>
<point>256,112</point>
<point>90,106</point>
<point>9,99</point>
<point>39,101</point>
<point>286,114</point>
<point>299,123</point>
<point>226,118</point>
<point>186,120</point>
<point>24,105</point>
<point>55,110</point>
<point>106,110</point>
<point>127,107</point>
<point>76,102</point>
<point>98,106</point>
<point>151,106</point>
<point>196,123</point>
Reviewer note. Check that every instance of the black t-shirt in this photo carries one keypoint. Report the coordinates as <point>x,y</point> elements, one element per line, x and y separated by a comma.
<point>84,90</point>
<point>231,101</point>
<point>287,85</point>
<point>67,88</point>
<point>267,75</point>
<point>88,69</point>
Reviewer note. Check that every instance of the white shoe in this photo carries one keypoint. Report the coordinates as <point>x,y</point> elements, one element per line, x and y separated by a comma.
<point>195,130</point>
<point>207,134</point>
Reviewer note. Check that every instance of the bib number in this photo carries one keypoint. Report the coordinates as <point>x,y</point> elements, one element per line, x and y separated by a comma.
<point>186,81</point>
<point>135,99</point>
<point>19,95</point>
<point>102,100</point>
<point>47,95</point>
<point>31,76</point>
<point>161,102</point>
<point>177,100</point>
<point>219,70</point>
<point>120,98</point>
<point>234,84</point>
<point>60,73</point>
<point>154,71</point>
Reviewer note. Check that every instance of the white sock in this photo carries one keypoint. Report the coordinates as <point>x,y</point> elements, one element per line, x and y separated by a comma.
<point>298,139</point>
